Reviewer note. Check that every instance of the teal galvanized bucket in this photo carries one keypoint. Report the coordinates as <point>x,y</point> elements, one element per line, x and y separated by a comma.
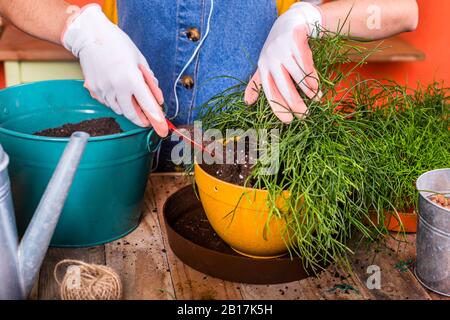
<point>105,201</point>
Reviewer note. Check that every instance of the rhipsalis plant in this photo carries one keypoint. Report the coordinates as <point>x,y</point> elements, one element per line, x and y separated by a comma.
<point>356,153</point>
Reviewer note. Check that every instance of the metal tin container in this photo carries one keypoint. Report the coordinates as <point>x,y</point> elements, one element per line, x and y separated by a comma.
<point>433,235</point>
<point>105,201</point>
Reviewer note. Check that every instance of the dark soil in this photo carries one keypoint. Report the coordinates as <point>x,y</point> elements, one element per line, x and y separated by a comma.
<point>237,172</point>
<point>233,173</point>
<point>95,127</point>
<point>194,241</point>
<point>194,226</point>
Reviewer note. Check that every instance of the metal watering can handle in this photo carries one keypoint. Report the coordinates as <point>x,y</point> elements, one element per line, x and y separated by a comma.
<point>21,262</point>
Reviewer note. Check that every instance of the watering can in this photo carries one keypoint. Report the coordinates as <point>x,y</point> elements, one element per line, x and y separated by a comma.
<point>20,262</point>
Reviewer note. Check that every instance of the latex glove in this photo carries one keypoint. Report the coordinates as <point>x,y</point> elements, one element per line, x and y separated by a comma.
<point>285,58</point>
<point>116,73</point>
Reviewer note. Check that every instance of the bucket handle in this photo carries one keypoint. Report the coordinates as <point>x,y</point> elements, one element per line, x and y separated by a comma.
<point>153,141</point>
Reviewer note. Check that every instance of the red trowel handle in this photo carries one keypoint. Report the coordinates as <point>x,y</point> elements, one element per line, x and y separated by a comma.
<point>187,138</point>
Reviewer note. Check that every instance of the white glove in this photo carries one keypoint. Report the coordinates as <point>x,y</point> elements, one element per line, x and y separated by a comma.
<point>285,56</point>
<point>116,73</point>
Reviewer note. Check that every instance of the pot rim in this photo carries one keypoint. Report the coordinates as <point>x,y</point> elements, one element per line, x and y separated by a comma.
<point>426,194</point>
<point>244,189</point>
<point>225,182</point>
<point>28,136</point>
<point>401,213</point>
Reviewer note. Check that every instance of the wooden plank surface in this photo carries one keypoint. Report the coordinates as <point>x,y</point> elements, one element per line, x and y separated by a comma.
<point>17,45</point>
<point>141,259</point>
<point>397,281</point>
<point>328,285</point>
<point>34,294</point>
<point>404,246</point>
<point>150,270</point>
<point>189,284</point>
<point>48,287</point>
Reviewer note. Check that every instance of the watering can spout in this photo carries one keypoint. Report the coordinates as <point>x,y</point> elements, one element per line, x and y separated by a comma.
<point>23,261</point>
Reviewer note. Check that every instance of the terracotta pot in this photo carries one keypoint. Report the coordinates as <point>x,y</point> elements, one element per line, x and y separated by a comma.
<point>399,222</point>
<point>240,216</point>
<point>408,222</point>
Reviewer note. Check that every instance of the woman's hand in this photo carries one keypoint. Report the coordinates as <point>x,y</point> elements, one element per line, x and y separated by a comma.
<point>286,60</point>
<point>116,73</point>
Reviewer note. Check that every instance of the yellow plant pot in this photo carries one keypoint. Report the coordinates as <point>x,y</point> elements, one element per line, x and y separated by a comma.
<point>240,216</point>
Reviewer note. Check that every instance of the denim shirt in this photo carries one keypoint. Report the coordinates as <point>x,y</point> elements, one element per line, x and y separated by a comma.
<point>239,29</point>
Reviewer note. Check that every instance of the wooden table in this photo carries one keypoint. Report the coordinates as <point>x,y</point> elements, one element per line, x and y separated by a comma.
<point>149,269</point>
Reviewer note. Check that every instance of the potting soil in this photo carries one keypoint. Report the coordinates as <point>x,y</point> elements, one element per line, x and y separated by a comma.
<point>95,127</point>
<point>194,226</point>
<point>236,172</point>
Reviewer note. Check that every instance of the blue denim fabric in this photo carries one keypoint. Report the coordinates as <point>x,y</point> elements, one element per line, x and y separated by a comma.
<point>239,29</point>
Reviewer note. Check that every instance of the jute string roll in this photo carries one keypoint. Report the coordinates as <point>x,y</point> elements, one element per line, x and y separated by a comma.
<point>84,281</point>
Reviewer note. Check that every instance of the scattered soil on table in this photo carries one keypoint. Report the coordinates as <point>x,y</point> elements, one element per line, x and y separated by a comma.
<point>194,226</point>
<point>95,127</point>
<point>441,200</point>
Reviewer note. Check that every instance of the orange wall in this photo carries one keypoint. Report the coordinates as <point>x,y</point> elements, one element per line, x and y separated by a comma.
<point>432,36</point>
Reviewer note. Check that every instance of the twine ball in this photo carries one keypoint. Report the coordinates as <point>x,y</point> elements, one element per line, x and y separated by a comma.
<point>84,281</point>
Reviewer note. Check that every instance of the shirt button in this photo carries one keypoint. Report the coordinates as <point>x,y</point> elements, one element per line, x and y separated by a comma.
<point>187,82</point>
<point>193,34</point>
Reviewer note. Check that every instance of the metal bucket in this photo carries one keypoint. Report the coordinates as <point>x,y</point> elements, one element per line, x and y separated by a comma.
<point>105,201</point>
<point>433,234</point>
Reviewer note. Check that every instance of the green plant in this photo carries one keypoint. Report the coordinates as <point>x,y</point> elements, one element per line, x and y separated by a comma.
<point>357,151</point>
<point>413,136</point>
<point>344,287</point>
<point>403,266</point>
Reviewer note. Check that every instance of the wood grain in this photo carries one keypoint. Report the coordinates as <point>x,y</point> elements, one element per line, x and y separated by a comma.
<point>189,284</point>
<point>330,284</point>
<point>140,259</point>
<point>150,270</point>
<point>397,281</point>
<point>17,45</point>
<point>34,294</point>
<point>405,249</point>
<point>393,49</point>
<point>48,287</point>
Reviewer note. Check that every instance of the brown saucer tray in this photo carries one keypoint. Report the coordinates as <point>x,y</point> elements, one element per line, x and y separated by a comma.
<point>214,257</point>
